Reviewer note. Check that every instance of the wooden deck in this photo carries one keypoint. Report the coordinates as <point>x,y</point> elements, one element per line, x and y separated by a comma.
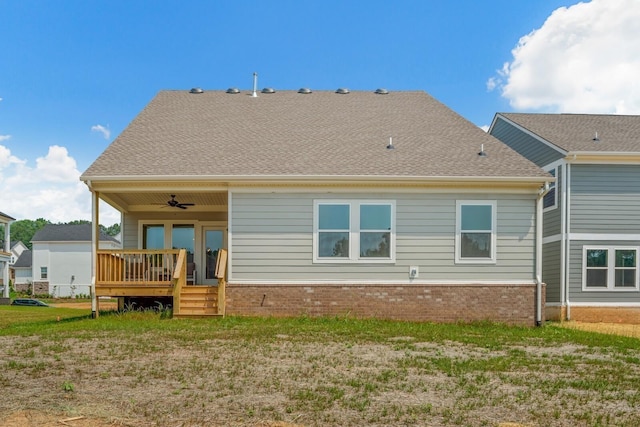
<point>160,273</point>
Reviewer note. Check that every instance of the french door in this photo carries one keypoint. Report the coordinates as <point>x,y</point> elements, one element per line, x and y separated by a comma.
<point>213,239</point>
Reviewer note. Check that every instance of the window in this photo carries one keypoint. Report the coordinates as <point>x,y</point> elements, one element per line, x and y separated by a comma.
<point>550,199</point>
<point>346,231</point>
<point>610,268</point>
<point>476,231</point>
<point>43,272</point>
<point>153,236</point>
<point>183,237</point>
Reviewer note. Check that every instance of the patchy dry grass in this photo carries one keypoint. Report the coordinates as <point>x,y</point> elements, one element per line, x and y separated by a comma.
<point>141,369</point>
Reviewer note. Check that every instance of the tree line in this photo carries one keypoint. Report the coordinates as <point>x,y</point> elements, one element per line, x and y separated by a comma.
<point>24,229</point>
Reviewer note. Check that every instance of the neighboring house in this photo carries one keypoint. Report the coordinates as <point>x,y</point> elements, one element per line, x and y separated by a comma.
<point>384,204</point>
<point>5,255</point>
<point>16,248</point>
<point>592,215</point>
<point>61,258</point>
<point>23,275</point>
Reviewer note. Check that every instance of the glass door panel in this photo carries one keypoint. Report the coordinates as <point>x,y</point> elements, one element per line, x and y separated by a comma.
<point>213,241</point>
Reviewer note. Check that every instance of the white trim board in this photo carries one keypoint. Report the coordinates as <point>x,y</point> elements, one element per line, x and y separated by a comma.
<point>593,237</point>
<point>373,282</point>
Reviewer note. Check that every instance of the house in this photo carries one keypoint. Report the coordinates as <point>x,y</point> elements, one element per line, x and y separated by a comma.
<point>362,203</point>
<point>592,214</point>
<point>5,255</point>
<point>16,248</point>
<point>23,274</point>
<point>61,259</point>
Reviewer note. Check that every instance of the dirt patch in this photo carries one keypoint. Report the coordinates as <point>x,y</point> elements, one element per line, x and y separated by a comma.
<point>605,328</point>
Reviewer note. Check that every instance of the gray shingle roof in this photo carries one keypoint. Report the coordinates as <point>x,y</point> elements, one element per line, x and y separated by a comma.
<point>575,132</point>
<point>67,233</point>
<point>288,135</point>
<point>24,260</point>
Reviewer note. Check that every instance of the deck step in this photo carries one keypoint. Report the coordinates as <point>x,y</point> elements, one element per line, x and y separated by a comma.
<point>198,301</point>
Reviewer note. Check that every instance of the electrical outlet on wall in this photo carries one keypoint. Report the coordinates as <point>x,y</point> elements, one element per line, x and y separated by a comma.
<point>413,272</point>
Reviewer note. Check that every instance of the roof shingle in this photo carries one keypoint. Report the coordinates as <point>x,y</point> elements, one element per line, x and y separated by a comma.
<point>576,132</point>
<point>288,135</point>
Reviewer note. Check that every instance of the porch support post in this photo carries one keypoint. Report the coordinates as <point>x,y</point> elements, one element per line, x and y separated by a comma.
<point>7,248</point>
<point>95,241</point>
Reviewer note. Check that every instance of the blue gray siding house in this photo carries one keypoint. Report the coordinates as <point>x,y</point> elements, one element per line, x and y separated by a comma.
<point>591,227</point>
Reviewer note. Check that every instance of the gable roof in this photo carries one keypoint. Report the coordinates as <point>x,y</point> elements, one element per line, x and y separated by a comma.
<point>576,132</point>
<point>67,233</point>
<point>24,260</point>
<point>288,135</point>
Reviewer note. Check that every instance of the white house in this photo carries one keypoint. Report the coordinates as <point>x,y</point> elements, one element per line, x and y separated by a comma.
<point>5,254</point>
<point>61,259</point>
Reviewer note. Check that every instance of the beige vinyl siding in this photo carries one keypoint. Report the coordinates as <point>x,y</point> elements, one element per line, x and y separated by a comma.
<point>605,199</point>
<point>576,270</point>
<point>272,239</point>
<point>551,259</point>
<point>526,145</point>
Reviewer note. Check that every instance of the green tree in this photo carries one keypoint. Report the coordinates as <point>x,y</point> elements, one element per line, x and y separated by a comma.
<point>24,229</point>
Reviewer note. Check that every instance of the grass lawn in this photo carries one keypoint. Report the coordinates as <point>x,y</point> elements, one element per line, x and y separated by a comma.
<point>144,369</point>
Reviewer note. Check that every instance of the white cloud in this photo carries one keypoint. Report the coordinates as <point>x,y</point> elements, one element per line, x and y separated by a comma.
<point>50,190</point>
<point>105,131</point>
<point>4,137</point>
<point>584,58</point>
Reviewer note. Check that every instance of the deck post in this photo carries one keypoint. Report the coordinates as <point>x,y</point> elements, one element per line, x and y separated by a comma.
<point>95,240</point>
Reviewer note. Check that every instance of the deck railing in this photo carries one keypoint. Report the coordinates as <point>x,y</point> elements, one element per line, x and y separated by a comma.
<point>136,267</point>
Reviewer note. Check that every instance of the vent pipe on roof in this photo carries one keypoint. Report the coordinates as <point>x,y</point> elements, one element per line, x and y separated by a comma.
<point>595,138</point>
<point>482,153</point>
<point>390,146</point>
<point>255,85</point>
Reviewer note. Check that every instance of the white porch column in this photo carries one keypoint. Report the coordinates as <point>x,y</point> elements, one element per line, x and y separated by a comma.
<point>95,241</point>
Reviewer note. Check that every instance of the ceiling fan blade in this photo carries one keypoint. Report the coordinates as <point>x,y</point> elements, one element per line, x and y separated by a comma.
<point>187,204</point>
<point>180,206</point>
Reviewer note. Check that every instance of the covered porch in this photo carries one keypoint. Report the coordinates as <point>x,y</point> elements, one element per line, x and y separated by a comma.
<point>159,273</point>
<point>169,249</point>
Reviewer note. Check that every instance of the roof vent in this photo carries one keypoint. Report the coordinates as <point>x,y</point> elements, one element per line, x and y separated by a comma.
<point>390,146</point>
<point>304,90</point>
<point>382,91</point>
<point>342,91</point>
<point>233,90</point>
<point>196,90</point>
<point>596,138</point>
<point>482,153</point>
<point>268,90</point>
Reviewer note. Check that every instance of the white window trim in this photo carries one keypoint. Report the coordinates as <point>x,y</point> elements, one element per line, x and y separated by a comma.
<point>554,186</point>
<point>354,232</point>
<point>493,258</point>
<point>611,268</point>
<point>45,270</point>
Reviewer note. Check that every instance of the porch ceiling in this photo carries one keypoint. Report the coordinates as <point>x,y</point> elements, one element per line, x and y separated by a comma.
<point>157,201</point>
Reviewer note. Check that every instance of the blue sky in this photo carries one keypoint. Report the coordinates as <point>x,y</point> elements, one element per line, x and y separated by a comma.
<point>74,73</point>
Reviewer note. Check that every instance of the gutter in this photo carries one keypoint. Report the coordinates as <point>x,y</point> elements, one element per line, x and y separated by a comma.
<point>539,206</point>
<point>319,178</point>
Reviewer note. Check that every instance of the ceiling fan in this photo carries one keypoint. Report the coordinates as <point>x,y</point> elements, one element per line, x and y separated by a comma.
<point>176,204</point>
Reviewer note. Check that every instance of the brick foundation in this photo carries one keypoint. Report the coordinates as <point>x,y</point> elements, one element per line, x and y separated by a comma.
<point>630,315</point>
<point>512,304</point>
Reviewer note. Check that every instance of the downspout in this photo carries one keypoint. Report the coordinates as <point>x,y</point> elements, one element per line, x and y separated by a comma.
<point>5,271</point>
<point>539,206</point>
<point>567,240</point>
